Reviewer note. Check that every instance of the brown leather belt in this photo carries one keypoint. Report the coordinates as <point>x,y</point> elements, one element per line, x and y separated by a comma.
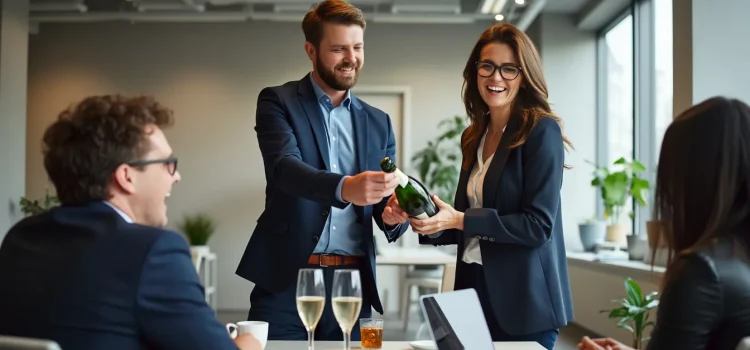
<point>333,260</point>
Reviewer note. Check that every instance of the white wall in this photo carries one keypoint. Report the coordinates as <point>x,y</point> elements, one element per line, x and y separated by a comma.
<point>211,77</point>
<point>569,62</point>
<point>710,60</point>
<point>14,28</point>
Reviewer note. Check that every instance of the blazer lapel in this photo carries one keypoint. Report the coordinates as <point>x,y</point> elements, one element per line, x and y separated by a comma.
<point>360,120</point>
<point>461,201</point>
<point>491,178</point>
<point>314,115</point>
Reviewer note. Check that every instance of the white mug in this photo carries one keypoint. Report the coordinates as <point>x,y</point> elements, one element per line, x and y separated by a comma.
<point>259,330</point>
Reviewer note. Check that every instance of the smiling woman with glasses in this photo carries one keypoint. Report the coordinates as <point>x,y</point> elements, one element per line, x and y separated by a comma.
<point>507,219</point>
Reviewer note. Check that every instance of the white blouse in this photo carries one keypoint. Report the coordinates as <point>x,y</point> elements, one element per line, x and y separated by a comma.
<point>474,186</point>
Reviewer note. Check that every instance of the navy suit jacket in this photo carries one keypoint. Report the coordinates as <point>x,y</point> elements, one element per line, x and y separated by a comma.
<point>301,189</point>
<point>520,230</point>
<point>87,279</point>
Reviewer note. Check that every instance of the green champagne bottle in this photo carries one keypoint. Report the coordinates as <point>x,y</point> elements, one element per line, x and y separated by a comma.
<point>412,196</point>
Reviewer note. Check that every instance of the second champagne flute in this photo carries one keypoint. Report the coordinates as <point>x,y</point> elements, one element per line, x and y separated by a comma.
<point>311,298</point>
<point>347,301</point>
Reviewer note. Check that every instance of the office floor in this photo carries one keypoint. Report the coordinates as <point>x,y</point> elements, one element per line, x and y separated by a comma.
<point>569,336</point>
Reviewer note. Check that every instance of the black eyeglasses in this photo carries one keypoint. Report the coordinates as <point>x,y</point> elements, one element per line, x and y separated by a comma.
<point>170,162</point>
<point>507,70</point>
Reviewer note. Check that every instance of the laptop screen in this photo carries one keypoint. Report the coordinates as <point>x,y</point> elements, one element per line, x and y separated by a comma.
<point>456,320</point>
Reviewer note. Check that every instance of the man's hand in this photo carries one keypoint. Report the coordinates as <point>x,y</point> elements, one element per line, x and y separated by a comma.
<point>247,342</point>
<point>393,214</point>
<point>368,188</point>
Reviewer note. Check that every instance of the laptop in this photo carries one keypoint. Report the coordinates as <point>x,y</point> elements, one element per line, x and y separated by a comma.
<point>456,321</point>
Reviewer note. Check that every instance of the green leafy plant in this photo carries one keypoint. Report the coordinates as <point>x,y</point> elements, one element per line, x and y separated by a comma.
<point>618,183</point>
<point>634,311</point>
<point>197,228</point>
<point>438,164</point>
<point>33,207</point>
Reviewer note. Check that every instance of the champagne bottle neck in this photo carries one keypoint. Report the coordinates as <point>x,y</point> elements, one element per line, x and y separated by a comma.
<point>403,180</point>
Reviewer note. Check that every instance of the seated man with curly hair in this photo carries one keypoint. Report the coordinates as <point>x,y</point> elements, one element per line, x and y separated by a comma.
<point>100,271</point>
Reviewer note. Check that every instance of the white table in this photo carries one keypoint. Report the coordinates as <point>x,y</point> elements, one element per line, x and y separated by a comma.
<point>387,345</point>
<point>406,256</point>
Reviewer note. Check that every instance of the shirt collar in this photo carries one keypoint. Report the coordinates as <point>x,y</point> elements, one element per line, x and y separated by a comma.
<point>324,99</point>
<point>124,216</point>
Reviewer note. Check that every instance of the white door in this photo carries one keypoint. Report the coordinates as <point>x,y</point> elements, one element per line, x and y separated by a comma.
<point>391,103</point>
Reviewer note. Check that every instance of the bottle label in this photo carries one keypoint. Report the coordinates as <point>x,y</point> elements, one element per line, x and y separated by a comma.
<point>403,180</point>
<point>422,216</point>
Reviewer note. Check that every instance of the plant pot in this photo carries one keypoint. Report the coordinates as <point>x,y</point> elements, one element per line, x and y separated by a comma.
<point>654,230</point>
<point>591,233</point>
<point>616,234</point>
<point>196,251</point>
<point>637,247</point>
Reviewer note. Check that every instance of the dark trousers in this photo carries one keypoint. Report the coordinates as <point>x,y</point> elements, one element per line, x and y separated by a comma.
<point>284,323</point>
<point>545,338</point>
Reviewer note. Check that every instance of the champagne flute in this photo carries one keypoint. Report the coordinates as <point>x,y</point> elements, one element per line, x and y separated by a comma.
<point>311,298</point>
<point>347,301</point>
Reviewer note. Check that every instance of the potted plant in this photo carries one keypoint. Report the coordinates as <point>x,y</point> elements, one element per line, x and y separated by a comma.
<point>34,207</point>
<point>198,229</point>
<point>616,185</point>
<point>633,314</point>
<point>591,232</point>
<point>438,164</point>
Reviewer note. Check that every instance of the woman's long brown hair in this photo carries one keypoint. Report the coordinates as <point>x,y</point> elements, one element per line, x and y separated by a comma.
<point>703,178</point>
<point>530,104</point>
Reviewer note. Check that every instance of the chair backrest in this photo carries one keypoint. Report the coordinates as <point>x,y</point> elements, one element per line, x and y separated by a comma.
<point>744,344</point>
<point>18,343</point>
<point>449,277</point>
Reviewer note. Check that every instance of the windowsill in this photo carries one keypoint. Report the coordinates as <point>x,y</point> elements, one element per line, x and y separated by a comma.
<point>621,266</point>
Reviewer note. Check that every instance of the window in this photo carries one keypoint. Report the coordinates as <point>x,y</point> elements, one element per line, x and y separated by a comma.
<point>619,80</point>
<point>616,108</point>
<point>635,78</point>
<point>663,113</point>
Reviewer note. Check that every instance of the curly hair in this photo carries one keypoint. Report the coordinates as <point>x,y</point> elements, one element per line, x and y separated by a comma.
<point>88,141</point>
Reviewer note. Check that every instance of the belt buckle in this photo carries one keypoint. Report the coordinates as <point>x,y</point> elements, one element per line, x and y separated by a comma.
<point>320,260</point>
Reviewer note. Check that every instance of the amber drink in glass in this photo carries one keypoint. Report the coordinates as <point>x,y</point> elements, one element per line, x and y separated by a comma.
<point>371,332</point>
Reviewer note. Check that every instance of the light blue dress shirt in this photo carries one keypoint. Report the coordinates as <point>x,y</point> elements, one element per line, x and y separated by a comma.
<point>341,234</point>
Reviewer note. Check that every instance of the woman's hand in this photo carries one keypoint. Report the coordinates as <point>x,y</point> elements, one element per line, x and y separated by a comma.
<point>601,344</point>
<point>393,214</point>
<point>446,218</point>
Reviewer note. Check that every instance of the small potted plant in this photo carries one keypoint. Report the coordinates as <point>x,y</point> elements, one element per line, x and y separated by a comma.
<point>633,314</point>
<point>198,229</point>
<point>616,185</point>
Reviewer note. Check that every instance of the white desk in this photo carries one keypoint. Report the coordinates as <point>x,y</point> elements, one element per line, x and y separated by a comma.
<point>387,345</point>
<point>413,256</point>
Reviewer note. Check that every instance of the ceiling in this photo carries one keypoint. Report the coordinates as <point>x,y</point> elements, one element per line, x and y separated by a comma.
<point>518,12</point>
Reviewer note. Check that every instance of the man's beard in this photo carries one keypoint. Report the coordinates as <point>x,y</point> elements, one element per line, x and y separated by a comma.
<point>337,83</point>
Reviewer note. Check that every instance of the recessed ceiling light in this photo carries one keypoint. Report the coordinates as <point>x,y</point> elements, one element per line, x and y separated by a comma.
<point>499,17</point>
<point>520,2</point>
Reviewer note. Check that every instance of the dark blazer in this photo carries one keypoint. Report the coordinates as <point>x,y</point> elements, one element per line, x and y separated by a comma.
<point>87,279</point>
<point>521,232</point>
<point>301,190</point>
<point>705,302</point>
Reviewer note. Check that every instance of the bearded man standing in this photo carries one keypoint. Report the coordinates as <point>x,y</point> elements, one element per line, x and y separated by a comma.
<point>321,148</point>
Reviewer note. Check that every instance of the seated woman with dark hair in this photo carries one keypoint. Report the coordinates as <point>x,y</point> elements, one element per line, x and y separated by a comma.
<point>703,201</point>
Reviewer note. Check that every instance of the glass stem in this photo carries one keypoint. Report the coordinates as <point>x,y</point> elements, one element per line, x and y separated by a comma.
<point>347,340</point>
<point>310,336</point>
